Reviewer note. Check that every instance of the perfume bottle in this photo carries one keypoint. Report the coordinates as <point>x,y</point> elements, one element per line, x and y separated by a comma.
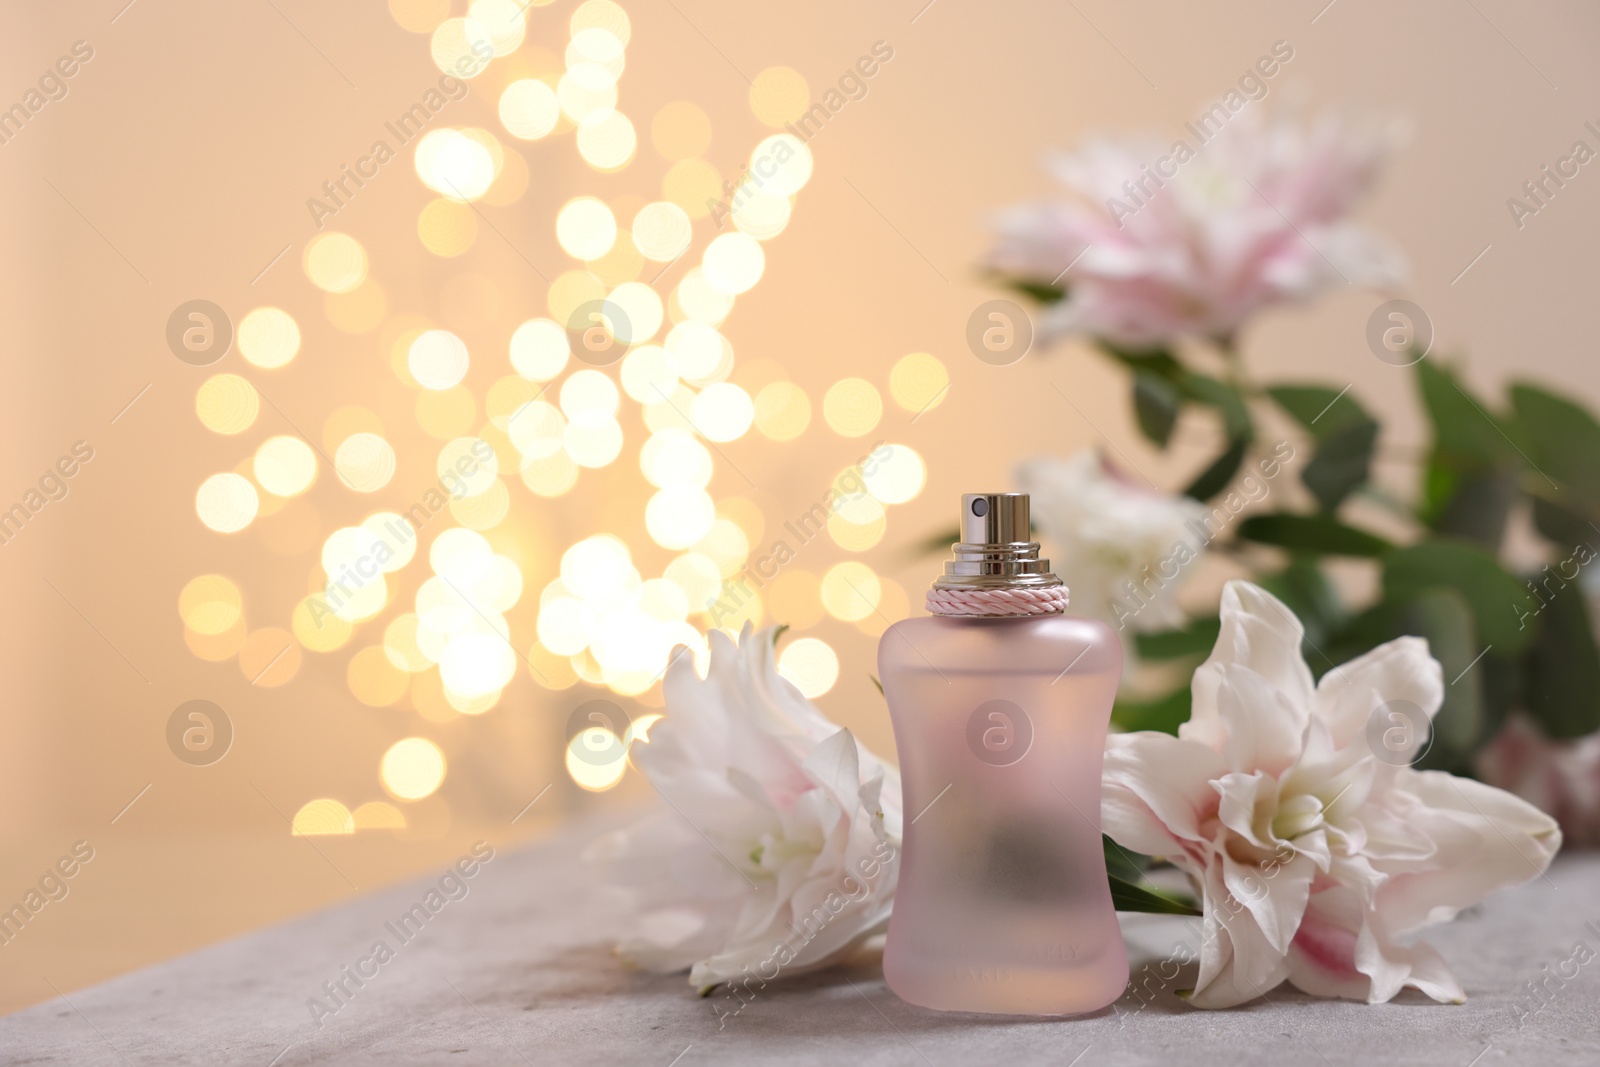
<point>1000,704</point>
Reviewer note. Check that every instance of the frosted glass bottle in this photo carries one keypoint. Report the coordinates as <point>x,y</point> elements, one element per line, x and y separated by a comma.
<point>1000,722</point>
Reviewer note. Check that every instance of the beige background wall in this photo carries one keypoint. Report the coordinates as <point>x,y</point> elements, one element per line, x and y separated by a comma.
<point>179,164</point>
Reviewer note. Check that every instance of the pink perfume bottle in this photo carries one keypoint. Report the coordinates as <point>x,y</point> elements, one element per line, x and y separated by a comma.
<point>1000,705</point>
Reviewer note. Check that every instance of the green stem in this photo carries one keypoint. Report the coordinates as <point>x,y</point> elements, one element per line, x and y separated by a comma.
<point>1233,370</point>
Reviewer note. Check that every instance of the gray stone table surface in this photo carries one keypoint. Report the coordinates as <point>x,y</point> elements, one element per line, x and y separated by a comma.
<point>519,971</point>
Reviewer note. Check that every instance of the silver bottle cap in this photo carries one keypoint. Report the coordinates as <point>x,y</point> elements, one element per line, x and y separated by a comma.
<point>995,550</point>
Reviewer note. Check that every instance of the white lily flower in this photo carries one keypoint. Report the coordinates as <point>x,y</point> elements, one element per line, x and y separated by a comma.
<point>1316,861</point>
<point>776,851</point>
<point>1260,216</point>
<point>1124,548</point>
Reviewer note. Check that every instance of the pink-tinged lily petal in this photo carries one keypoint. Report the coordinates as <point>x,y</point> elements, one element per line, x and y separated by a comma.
<point>1389,836</point>
<point>1342,951</point>
<point>1560,777</point>
<point>834,768</point>
<point>776,812</point>
<point>1356,873</point>
<point>1322,958</point>
<point>1157,792</point>
<point>1246,805</point>
<point>1263,726</point>
<point>1399,671</point>
<point>1488,840</point>
<point>1316,860</point>
<point>1393,967</point>
<point>1314,845</point>
<point>1275,895</point>
<point>1259,217</point>
<point>1258,632</point>
<point>1237,963</point>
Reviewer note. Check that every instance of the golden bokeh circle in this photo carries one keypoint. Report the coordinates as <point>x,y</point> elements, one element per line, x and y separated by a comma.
<point>227,404</point>
<point>316,627</point>
<point>335,262</point>
<point>412,769</point>
<point>446,413</point>
<point>549,476</point>
<point>210,604</point>
<point>447,227</point>
<point>779,95</point>
<point>918,382</point>
<point>601,14</point>
<point>373,679</point>
<point>550,670</point>
<point>419,16</point>
<point>850,590</point>
<point>529,109</point>
<point>852,407</point>
<point>662,231</point>
<point>587,91</point>
<point>284,465</point>
<point>811,665</point>
<point>694,185</point>
<point>321,818</point>
<point>585,228</point>
<point>268,337</point>
<point>438,360</point>
<point>227,503</point>
<point>898,476</point>
<point>723,412</point>
<point>365,462</point>
<point>783,411</point>
<point>401,645</point>
<point>607,142</point>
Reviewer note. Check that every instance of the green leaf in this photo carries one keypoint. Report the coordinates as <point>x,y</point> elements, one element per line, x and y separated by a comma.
<point>1439,486</point>
<point>1120,863</point>
<point>1197,639</point>
<point>1155,402</point>
<point>1162,384</point>
<point>1561,525</point>
<point>1472,452</point>
<point>1562,678</point>
<point>1563,439</point>
<point>1157,361</point>
<point>1320,410</point>
<point>1345,434</point>
<point>1465,433</point>
<point>1215,478</point>
<point>1311,533</point>
<point>1164,715</point>
<point>1126,896</point>
<point>1497,598</point>
<point>1444,617</point>
<point>1343,462</point>
<point>1204,389</point>
<point>1359,633</point>
<point>1043,292</point>
<point>1477,506</point>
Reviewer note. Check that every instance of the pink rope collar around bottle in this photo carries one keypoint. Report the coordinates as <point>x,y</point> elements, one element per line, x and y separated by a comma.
<point>1050,600</point>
